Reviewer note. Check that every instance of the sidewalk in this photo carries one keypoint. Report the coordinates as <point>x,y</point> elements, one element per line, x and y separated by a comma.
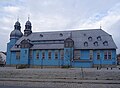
<point>81,81</point>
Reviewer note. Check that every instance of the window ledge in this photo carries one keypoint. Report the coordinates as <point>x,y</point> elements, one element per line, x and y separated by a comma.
<point>83,60</point>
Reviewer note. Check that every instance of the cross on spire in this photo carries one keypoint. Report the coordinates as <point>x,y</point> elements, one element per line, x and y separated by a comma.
<point>18,18</point>
<point>28,17</point>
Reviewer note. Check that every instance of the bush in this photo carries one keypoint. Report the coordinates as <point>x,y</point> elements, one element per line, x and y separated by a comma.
<point>66,66</point>
<point>22,66</point>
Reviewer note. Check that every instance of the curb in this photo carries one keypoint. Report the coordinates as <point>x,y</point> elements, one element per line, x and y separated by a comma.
<point>63,81</point>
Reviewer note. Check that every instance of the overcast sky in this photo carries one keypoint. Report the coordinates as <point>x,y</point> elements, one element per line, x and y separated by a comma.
<point>57,15</point>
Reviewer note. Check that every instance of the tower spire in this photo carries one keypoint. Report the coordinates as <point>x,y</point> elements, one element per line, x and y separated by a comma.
<point>18,18</point>
<point>28,27</point>
<point>28,17</point>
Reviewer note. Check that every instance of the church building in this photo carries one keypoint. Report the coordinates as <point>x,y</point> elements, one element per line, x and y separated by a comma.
<point>74,48</point>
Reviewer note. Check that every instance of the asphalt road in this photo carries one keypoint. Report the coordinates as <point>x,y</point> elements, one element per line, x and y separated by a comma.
<point>20,87</point>
<point>10,77</point>
<point>16,84</point>
<point>12,87</point>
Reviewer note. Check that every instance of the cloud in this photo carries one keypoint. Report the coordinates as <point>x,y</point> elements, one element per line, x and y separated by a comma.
<point>11,9</point>
<point>105,19</point>
<point>110,22</point>
<point>52,15</point>
<point>50,23</point>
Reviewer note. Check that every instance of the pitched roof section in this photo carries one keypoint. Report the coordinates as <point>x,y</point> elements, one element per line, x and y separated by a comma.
<point>48,46</point>
<point>78,36</point>
<point>37,36</point>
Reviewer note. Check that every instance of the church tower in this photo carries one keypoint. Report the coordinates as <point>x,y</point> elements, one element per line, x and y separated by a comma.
<point>14,36</point>
<point>28,28</point>
<point>16,33</point>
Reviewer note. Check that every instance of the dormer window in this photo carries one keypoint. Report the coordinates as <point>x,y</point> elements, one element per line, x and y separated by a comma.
<point>90,38</point>
<point>85,43</point>
<point>61,34</point>
<point>99,38</point>
<point>41,35</point>
<point>25,44</point>
<point>68,43</point>
<point>105,43</point>
<point>95,43</point>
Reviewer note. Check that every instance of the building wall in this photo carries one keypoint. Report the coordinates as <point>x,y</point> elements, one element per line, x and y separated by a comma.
<point>46,61</point>
<point>13,59</point>
<point>102,60</point>
<point>84,60</point>
<point>84,64</point>
<point>68,56</point>
<point>8,54</point>
<point>84,55</point>
<point>24,56</point>
<point>38,60</point>
<point>9,46</point>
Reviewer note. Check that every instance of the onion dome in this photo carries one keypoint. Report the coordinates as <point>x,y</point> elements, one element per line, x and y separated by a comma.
<point>17,23</point>
<point>16,33</point>
<point>28,28</point>
<point>28,23</point>
<point>17,26</point>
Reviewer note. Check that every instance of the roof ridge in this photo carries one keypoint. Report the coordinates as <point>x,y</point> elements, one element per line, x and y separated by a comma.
<point>67,30</point>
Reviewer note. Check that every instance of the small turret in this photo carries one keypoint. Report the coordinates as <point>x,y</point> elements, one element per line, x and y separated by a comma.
<point>28,28</point>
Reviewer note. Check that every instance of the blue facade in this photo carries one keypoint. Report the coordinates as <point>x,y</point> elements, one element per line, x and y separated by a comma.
<point>72,48</point>
<point>85,60</point>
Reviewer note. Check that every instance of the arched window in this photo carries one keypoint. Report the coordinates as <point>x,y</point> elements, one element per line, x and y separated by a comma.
<point>49,54</point>
<point>105,43</point>
<point>99,38</point>
<point>109,55</point>
<point>56,54</point>
<point>89,38</point>
<point>43,55</point>
<point>105,55</point>
<point>85,43</point>
<point>68,43</point>
<point>61,34</point>
<point>98,55</point>
<point>37,54</point>
<point>18,55</point>
<point>95,43</point>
